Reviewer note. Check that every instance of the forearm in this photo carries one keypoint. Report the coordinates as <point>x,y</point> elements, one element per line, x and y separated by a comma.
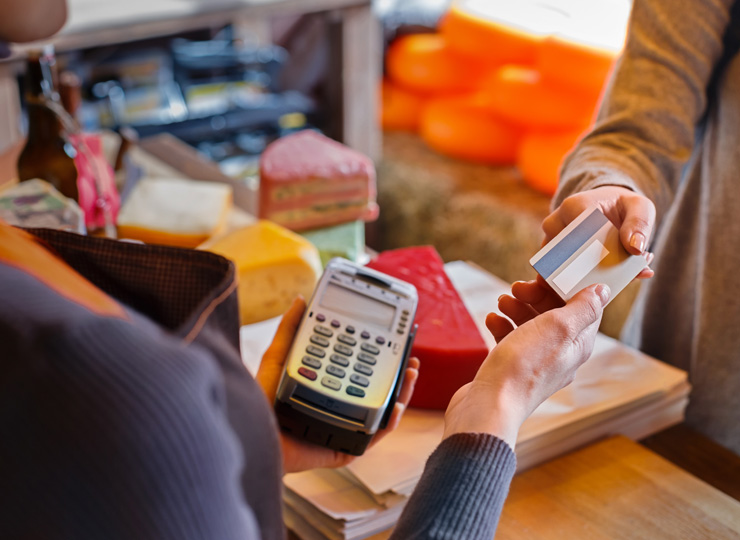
<point>462,491</point>
<point>645,130</point>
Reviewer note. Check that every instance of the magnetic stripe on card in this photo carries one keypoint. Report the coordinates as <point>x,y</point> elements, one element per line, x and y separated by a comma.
<point>560,253</point>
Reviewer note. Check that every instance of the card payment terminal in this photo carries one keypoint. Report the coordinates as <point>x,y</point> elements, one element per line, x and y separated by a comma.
<point>346,365</point>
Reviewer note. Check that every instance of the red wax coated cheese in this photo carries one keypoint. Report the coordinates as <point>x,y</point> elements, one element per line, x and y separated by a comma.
<point>448,343</point>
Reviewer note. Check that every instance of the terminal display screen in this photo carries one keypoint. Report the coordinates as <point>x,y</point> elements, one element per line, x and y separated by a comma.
<point>358,306</point>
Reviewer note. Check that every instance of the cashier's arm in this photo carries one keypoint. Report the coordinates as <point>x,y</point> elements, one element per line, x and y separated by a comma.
<point>539,348</point>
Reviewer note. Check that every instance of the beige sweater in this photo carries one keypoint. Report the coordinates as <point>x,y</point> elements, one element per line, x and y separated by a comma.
<point>650,137</point>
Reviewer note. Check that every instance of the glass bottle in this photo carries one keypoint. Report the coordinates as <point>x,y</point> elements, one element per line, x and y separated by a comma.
<point>48,153</point>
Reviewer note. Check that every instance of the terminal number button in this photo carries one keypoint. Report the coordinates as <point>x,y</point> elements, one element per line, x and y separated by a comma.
<point>368,347</point>
<point>359,380</point>
<point>336,371</point>
<point>364,357</point>
<point>343,349</point>
<point>319,340</point>
<point>316,351</point>
<point>348,340</point>
<point>339,360</point>
<point>312,362</point>
<point>323,330</point>
<point>362,368</point>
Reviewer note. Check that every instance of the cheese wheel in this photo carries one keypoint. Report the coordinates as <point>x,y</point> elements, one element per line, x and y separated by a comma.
<point>575,65</point>
<point>424,63</point>
<point>400,108</point>
<point>274,265</point>
<point>174,211</point>
<point>494,31</point>
<point>465,128</point>
<point>521,96</point>
<point>448,343</point>
<point>540,158</point>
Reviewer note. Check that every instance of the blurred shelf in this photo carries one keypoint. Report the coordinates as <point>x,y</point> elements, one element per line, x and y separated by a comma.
<point>354,63</point>
<point>104,22</point>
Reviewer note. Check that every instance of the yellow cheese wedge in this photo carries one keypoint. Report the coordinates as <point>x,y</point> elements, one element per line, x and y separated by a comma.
<point>175,212</point>
<point>274,265</point>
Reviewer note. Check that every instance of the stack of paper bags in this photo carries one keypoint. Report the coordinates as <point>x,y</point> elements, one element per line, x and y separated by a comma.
<point>619,390</point>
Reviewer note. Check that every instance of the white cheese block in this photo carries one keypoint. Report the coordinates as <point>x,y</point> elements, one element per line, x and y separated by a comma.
<point>174,211</point>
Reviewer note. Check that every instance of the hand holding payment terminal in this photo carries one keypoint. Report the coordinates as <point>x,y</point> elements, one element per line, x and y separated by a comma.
<point>346,365</point>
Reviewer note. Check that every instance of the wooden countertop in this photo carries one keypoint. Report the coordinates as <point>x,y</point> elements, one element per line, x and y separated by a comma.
<point>698,455</point>
<point>616,489</point>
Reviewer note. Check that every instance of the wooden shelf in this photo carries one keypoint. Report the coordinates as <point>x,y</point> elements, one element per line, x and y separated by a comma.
<point>355,64</point>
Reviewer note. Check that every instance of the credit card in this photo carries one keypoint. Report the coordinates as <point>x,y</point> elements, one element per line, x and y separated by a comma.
<point>586,252</point>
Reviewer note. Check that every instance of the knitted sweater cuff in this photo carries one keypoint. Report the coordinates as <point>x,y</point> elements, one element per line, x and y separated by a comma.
<point>462,491</point>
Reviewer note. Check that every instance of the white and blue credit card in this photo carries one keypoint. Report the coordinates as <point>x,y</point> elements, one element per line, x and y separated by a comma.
<point>586,252</point>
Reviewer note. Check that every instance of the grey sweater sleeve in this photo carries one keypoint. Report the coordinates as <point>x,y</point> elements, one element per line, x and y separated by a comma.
<point>462,491</point>
<point>111,429</point>
<point>646,124</point>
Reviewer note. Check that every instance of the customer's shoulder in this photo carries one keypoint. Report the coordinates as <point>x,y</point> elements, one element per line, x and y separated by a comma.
<point>39,326</point>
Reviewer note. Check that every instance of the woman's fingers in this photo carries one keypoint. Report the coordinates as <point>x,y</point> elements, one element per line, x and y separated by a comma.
<point>409,381</point>
<point>407,390</point>
<point>537,293</point>
<point>638,219</point>
<point>499,326</point>
<point>519,312</point>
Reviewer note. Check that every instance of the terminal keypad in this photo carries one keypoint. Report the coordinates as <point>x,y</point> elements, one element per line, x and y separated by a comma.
<point>341,343</point>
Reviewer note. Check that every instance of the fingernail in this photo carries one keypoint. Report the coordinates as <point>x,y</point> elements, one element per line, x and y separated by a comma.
<point>638,241</point>
<point>603,293</point>
<point>499,298</point>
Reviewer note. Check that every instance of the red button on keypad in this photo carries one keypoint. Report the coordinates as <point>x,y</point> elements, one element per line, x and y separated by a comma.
<point>307,373</point>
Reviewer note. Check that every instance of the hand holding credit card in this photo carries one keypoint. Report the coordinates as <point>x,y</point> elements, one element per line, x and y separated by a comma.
<point>586,252</point>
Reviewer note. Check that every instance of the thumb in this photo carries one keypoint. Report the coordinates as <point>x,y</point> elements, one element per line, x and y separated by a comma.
<point>273,361</point>
<point>278,350</point>
<point>587,306</point>
<point>637,225</point>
